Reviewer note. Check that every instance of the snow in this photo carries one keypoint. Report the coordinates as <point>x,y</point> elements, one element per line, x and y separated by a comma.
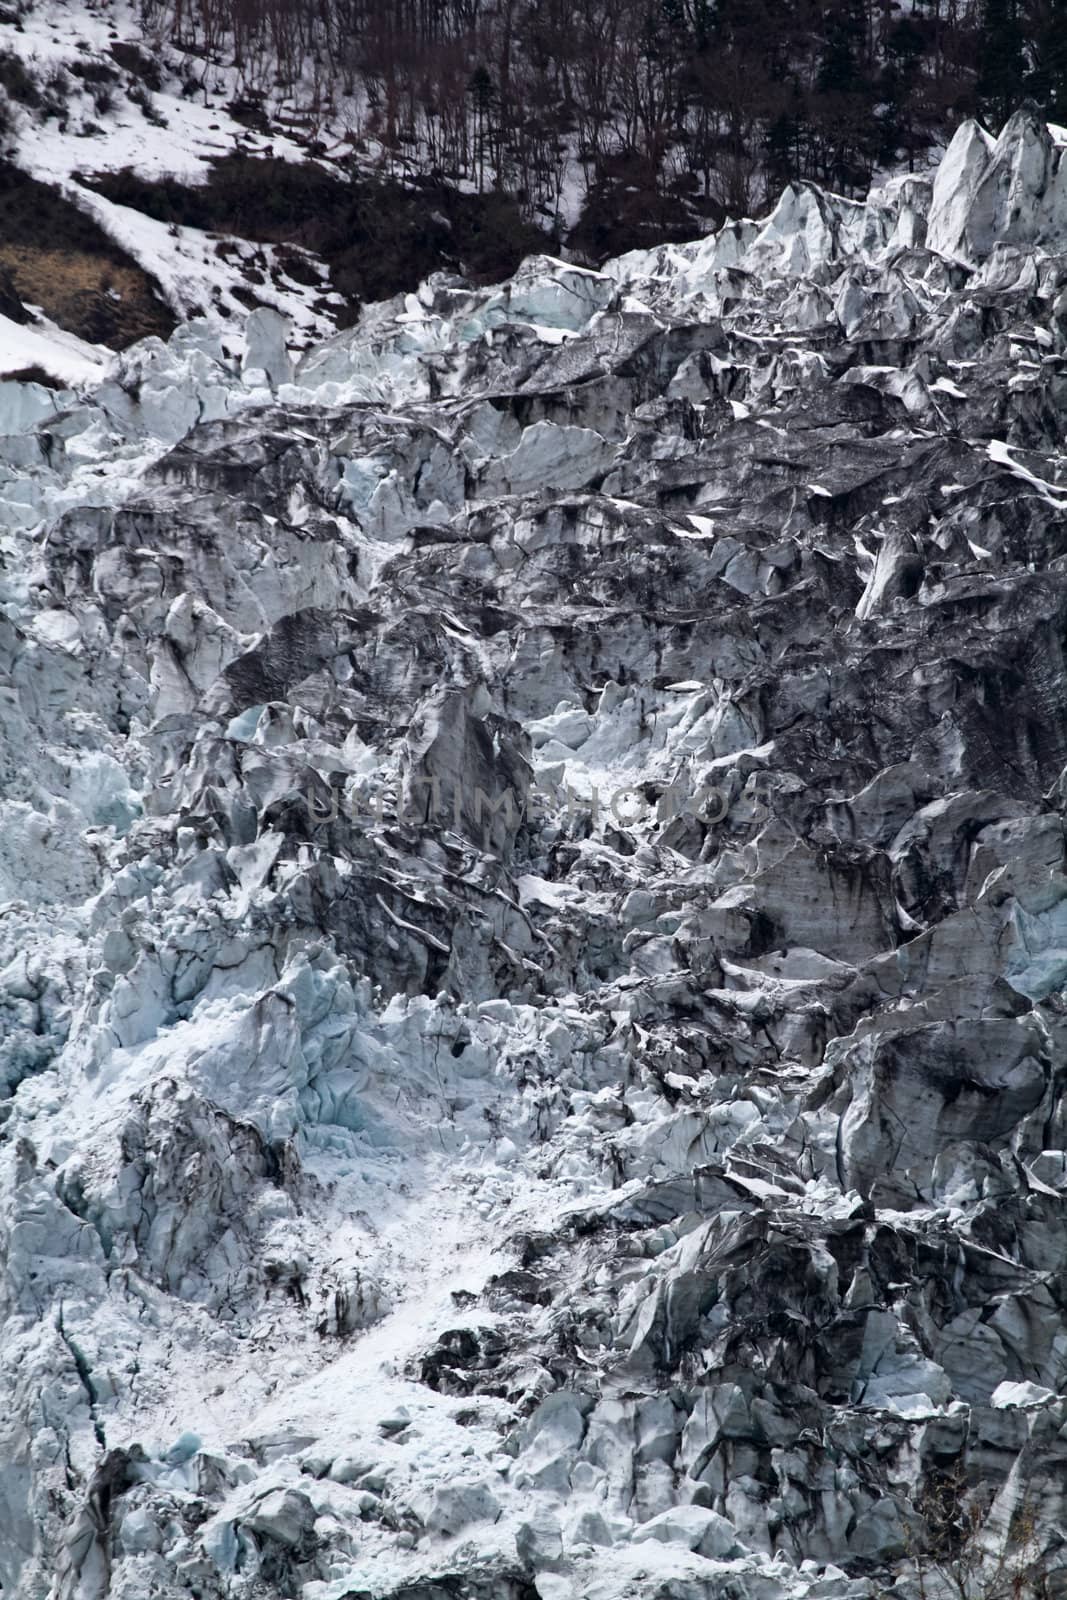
<point>1007,1395</point>
<point>946,386</point>
<point>60,354</point>
<point>1000,452</point>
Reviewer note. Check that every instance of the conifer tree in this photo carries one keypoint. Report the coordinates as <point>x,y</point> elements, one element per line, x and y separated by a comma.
<point>1002,66</point>
<point>1046,81</point>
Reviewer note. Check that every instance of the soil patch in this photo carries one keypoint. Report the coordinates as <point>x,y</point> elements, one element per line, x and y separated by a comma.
<point>61,260</point>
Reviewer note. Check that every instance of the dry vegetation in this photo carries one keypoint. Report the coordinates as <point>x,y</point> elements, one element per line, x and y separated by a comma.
<point>61,260</point>
<point>694,107</point>
<point>962,1547</point>
<point>99,300</point>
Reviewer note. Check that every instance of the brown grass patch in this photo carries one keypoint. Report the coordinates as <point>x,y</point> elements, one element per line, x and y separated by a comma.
<point>62,260</point>
<point>78,290</point>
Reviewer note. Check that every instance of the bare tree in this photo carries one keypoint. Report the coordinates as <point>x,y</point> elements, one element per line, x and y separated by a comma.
<point>971,1546</point>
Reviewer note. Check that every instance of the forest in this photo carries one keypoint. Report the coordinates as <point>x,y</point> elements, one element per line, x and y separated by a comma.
<point>626,117</point>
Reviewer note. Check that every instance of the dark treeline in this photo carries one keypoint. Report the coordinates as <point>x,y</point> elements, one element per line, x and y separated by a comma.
<point>650,114</point>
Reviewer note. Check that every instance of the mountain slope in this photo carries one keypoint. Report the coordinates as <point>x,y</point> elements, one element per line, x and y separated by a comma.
<point>137,187</point>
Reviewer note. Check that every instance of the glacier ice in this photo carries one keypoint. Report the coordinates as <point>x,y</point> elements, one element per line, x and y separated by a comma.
<point>532,945</point>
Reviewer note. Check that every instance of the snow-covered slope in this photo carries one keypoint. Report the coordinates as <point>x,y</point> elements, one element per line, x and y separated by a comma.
<point>532,927</point>
<point>95,125</point>
<point>59,355</point>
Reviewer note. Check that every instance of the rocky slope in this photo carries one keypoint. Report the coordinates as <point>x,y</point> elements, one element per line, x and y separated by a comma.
<point>533,926</point>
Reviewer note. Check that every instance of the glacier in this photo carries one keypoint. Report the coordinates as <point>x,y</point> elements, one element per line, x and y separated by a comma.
<point>533,924</point>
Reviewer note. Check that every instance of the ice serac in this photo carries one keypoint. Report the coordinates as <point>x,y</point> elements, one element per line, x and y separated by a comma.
<point>956,181</point>
<point>1013,191</point>
<point>265,347</point>
<point>533,927</point>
